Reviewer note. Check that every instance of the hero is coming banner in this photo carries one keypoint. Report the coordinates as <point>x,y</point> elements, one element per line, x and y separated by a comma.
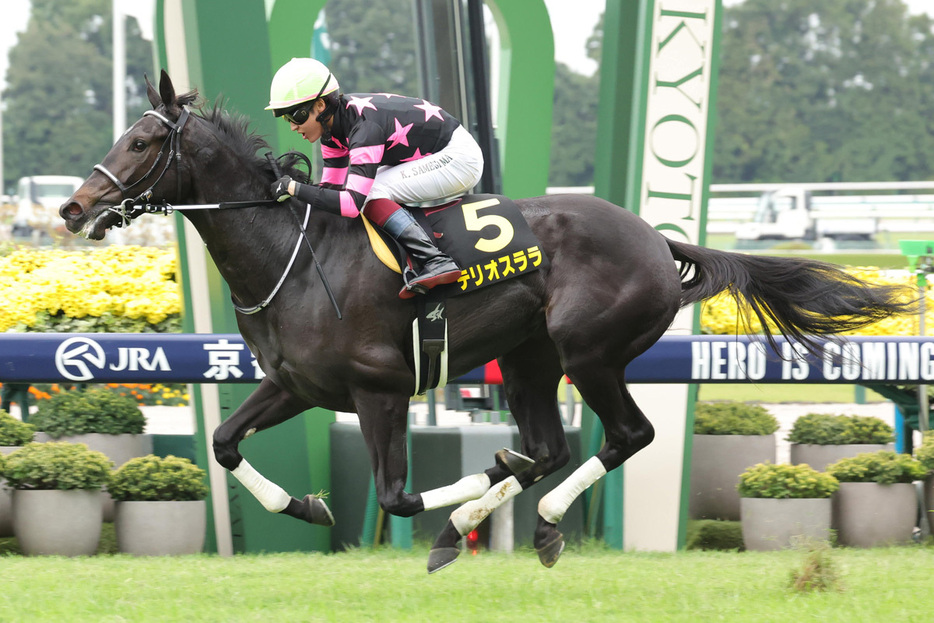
<point>225,358</point>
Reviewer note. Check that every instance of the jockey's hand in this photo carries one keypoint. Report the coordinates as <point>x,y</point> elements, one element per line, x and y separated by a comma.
<point>280,188</point>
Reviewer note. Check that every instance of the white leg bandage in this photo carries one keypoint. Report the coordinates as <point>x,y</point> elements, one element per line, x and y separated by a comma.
<point>469,516</point>
<point>467,488</point>
<point>271,496</point>
<point>553,506</point>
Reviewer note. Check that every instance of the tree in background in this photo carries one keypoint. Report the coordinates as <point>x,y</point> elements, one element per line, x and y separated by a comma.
<point>574,129</point>
<point>373,46</point>
<point>59,96</point>
<point>840,90</point>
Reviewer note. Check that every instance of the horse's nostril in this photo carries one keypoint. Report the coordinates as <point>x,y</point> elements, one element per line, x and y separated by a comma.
<point>72,209</point>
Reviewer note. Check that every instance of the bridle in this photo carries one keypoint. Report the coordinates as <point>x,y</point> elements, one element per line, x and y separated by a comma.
<point>133,207</point>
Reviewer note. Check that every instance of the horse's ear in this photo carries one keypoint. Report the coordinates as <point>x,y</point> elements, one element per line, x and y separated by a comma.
<point>166,90</point>
<point>151,92</point>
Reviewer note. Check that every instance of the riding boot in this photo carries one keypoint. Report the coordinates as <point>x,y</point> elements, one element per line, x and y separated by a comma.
<point>436,268</point>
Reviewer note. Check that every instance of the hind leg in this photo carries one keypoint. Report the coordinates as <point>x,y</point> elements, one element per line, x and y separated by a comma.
<point>627,431</point>
<point>530,376</point>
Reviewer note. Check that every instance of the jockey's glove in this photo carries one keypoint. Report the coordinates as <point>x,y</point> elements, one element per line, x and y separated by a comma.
<point>280,188</point>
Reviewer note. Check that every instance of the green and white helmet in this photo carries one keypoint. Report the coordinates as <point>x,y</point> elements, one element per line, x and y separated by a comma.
<point>300,80</point>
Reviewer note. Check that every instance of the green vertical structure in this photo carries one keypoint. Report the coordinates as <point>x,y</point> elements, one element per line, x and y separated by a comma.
<point>654,147</point>
<point>222,47</point>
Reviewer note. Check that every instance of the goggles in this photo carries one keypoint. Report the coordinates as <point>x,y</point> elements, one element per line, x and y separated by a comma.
<point>300,114</point>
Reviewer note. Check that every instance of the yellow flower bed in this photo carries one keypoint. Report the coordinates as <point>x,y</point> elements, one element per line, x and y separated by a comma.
<point>128,281</point>
<point>139,283</point>
<point>719,314</point>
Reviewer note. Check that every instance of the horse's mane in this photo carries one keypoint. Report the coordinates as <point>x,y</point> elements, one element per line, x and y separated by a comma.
<point>235,132</point>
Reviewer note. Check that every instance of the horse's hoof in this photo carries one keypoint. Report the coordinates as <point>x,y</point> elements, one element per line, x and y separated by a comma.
<point>311,509</point>
<point>318,511</point>
<point>441,557</point>
<point>514,462</point>
<point>549,553</point>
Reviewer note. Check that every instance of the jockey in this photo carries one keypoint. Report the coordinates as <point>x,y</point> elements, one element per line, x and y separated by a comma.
<point>379,150</point>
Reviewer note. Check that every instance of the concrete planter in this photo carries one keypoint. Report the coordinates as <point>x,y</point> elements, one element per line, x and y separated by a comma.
<point>819,457</point>
<point>867,514</point>
<point>716,463</point>
<point>65,523</point>
<point>160,528</point>
<point>771,524</point>
<point>6,500</point>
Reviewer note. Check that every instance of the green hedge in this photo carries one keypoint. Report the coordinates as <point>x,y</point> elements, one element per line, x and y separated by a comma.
<point>884,467</point>
<point>13,432</point>
<point>57,465</point>
<point>91,411</point>
<point>925,454</point>
<point>782,481</point>
<point>155,479</point>
<point>732,418</point>
<point>824,429</point>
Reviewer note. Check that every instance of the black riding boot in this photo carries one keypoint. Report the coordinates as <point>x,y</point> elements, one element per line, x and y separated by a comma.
<point>437,268</point>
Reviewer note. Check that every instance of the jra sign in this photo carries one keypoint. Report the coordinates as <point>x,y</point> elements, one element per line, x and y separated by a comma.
<point>204,358</point>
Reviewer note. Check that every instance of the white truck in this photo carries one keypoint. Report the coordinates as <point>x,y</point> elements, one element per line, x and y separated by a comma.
<point>794,214</point>
<point>40,197</point>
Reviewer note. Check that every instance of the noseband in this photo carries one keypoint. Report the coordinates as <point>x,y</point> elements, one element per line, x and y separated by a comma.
<point>132,207</point>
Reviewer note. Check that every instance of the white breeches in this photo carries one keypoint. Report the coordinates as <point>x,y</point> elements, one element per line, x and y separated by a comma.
<point>451,172</point>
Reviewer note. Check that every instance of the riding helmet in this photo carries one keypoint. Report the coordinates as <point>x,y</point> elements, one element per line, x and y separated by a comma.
<point>300,80</point>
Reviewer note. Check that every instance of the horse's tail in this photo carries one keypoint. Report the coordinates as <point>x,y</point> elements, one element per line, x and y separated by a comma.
<point>802,297</point>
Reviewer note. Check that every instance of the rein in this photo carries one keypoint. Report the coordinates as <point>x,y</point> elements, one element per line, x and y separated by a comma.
<point>132,208</point>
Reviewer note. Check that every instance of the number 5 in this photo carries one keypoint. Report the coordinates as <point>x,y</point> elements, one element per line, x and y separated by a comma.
<point>475,222</point>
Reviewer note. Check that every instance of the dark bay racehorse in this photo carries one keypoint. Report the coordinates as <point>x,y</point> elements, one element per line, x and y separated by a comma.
<point>612,288</point>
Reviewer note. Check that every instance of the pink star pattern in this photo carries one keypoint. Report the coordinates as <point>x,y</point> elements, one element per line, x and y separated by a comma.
<point>360,103</point>
<point>399,137</point>
<point>430,110</point>
<point>418,155</point>
<point>389,95</point>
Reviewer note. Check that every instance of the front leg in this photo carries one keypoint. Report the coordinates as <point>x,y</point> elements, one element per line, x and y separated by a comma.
<point>267,406</point>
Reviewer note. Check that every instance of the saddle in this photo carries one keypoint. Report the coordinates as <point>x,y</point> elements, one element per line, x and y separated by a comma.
<point>488,238</point>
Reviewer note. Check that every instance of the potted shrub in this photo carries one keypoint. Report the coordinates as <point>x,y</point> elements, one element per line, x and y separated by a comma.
<point>13,435</point>
<point>780,503</point>
<point>103,420</point>
<point>56,497</point>
<point>925,456</point>
<point>728,438</point>
<point>819,439</point>
<point>160,508</point>
<point>877,503</point>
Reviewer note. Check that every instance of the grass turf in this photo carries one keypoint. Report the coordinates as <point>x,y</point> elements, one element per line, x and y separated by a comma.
<point>590,583</point>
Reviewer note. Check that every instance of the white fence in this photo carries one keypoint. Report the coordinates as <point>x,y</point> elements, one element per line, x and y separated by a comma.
<point>732,204</point>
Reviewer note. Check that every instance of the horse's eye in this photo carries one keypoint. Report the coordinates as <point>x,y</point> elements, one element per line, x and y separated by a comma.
<point>138,145</point>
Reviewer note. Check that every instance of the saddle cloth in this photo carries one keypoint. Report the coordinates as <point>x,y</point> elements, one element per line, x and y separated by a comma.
<point>485,234</point>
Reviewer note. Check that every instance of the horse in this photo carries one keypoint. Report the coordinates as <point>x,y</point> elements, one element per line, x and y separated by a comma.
<point>611,288</point>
